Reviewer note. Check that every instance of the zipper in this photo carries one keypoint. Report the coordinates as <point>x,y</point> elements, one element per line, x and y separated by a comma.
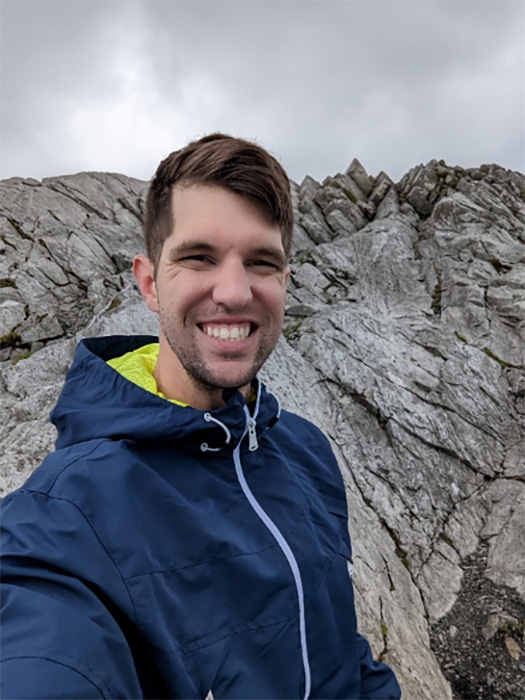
<point>252,435</point>
<point>283,544</point>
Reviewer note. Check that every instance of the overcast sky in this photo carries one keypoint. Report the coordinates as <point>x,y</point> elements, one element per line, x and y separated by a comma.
<point>116,85</point>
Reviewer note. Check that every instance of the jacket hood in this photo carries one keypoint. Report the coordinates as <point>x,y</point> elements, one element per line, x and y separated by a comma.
<point>98,402</point>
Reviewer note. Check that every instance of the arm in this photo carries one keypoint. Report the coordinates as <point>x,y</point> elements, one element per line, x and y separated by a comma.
<point>64,608</point>
<point>36,676</point>
<point>378,681</point>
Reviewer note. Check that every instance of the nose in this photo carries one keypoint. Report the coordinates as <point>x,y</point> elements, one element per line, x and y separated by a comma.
<point>232,287</point>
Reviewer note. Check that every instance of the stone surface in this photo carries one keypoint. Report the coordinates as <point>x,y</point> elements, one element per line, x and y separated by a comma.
<point>403,340</point>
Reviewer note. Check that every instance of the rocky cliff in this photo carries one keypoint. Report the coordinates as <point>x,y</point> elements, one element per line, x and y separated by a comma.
<point>404,340</point>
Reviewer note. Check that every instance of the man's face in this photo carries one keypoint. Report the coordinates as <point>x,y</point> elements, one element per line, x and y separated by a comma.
<point>220,291</point>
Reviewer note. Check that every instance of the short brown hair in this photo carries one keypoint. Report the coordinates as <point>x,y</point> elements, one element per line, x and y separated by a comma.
<point>237,165</point>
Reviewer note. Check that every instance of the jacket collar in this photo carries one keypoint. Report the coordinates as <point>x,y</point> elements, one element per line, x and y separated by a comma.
<point>97,402</point>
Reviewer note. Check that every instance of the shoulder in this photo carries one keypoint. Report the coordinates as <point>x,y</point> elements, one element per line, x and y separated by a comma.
<point>303,431</point>
<point>69,513</point>
<point>80,481</point>
<point>308,452</point>
<point>56,491</point>
<point>53,475</point>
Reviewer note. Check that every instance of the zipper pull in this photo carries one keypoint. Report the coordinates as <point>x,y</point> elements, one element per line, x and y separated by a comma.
<point>252,436</point>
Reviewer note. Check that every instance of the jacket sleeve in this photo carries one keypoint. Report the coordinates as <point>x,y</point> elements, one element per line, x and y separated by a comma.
<point>378,681</point>
<point>64,606</point>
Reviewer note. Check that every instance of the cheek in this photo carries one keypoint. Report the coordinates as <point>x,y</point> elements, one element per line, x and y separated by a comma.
<point>179,298</point>
<point>275,302</point>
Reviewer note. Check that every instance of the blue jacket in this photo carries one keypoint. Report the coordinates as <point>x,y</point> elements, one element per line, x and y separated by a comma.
<point>163,552</point>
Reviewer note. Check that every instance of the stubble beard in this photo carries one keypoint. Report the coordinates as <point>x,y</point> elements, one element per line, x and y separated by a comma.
<point>203,375</point>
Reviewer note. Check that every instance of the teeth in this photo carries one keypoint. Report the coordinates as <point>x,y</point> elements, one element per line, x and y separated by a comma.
<point>228,332</point>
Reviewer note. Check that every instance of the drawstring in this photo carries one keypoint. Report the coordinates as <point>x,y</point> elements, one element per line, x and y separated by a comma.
<point>278,404</point>
<point>210,419</point>
<point>251,424</point>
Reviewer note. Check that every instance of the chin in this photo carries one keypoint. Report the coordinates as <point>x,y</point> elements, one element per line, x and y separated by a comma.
<point>234,382</point>
<point>237,380</point>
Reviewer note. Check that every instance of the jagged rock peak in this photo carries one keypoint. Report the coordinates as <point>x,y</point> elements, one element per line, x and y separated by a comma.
<point>360,176</point>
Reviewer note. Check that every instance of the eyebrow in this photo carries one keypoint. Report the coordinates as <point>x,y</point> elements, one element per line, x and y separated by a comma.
<point>198,246</point>
<point>191,246</point>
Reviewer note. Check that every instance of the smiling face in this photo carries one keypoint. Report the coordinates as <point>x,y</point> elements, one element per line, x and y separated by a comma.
<point>219,290</point>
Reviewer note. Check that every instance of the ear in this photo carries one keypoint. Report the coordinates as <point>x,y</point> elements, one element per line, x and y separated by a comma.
<point>145,278</point>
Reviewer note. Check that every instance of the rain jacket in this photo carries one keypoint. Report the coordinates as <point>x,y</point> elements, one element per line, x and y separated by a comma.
<point>165,552</point>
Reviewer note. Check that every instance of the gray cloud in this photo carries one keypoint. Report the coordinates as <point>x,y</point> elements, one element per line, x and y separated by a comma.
<point>117,85</point>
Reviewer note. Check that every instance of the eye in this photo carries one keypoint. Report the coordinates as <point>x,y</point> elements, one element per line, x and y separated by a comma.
<point>195,261</point>
<point>265,264</point>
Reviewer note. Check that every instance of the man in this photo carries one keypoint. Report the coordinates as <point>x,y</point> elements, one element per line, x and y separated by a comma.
<point>187,536</point>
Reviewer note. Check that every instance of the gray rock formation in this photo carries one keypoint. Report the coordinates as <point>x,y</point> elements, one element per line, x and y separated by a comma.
<point>404,340</point>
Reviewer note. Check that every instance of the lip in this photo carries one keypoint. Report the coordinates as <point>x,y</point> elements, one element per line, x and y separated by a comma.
<point>228,323</point>
<point>231,346</point>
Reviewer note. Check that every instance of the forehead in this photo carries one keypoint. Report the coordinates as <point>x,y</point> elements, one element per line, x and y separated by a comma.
<point>210,207</point>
